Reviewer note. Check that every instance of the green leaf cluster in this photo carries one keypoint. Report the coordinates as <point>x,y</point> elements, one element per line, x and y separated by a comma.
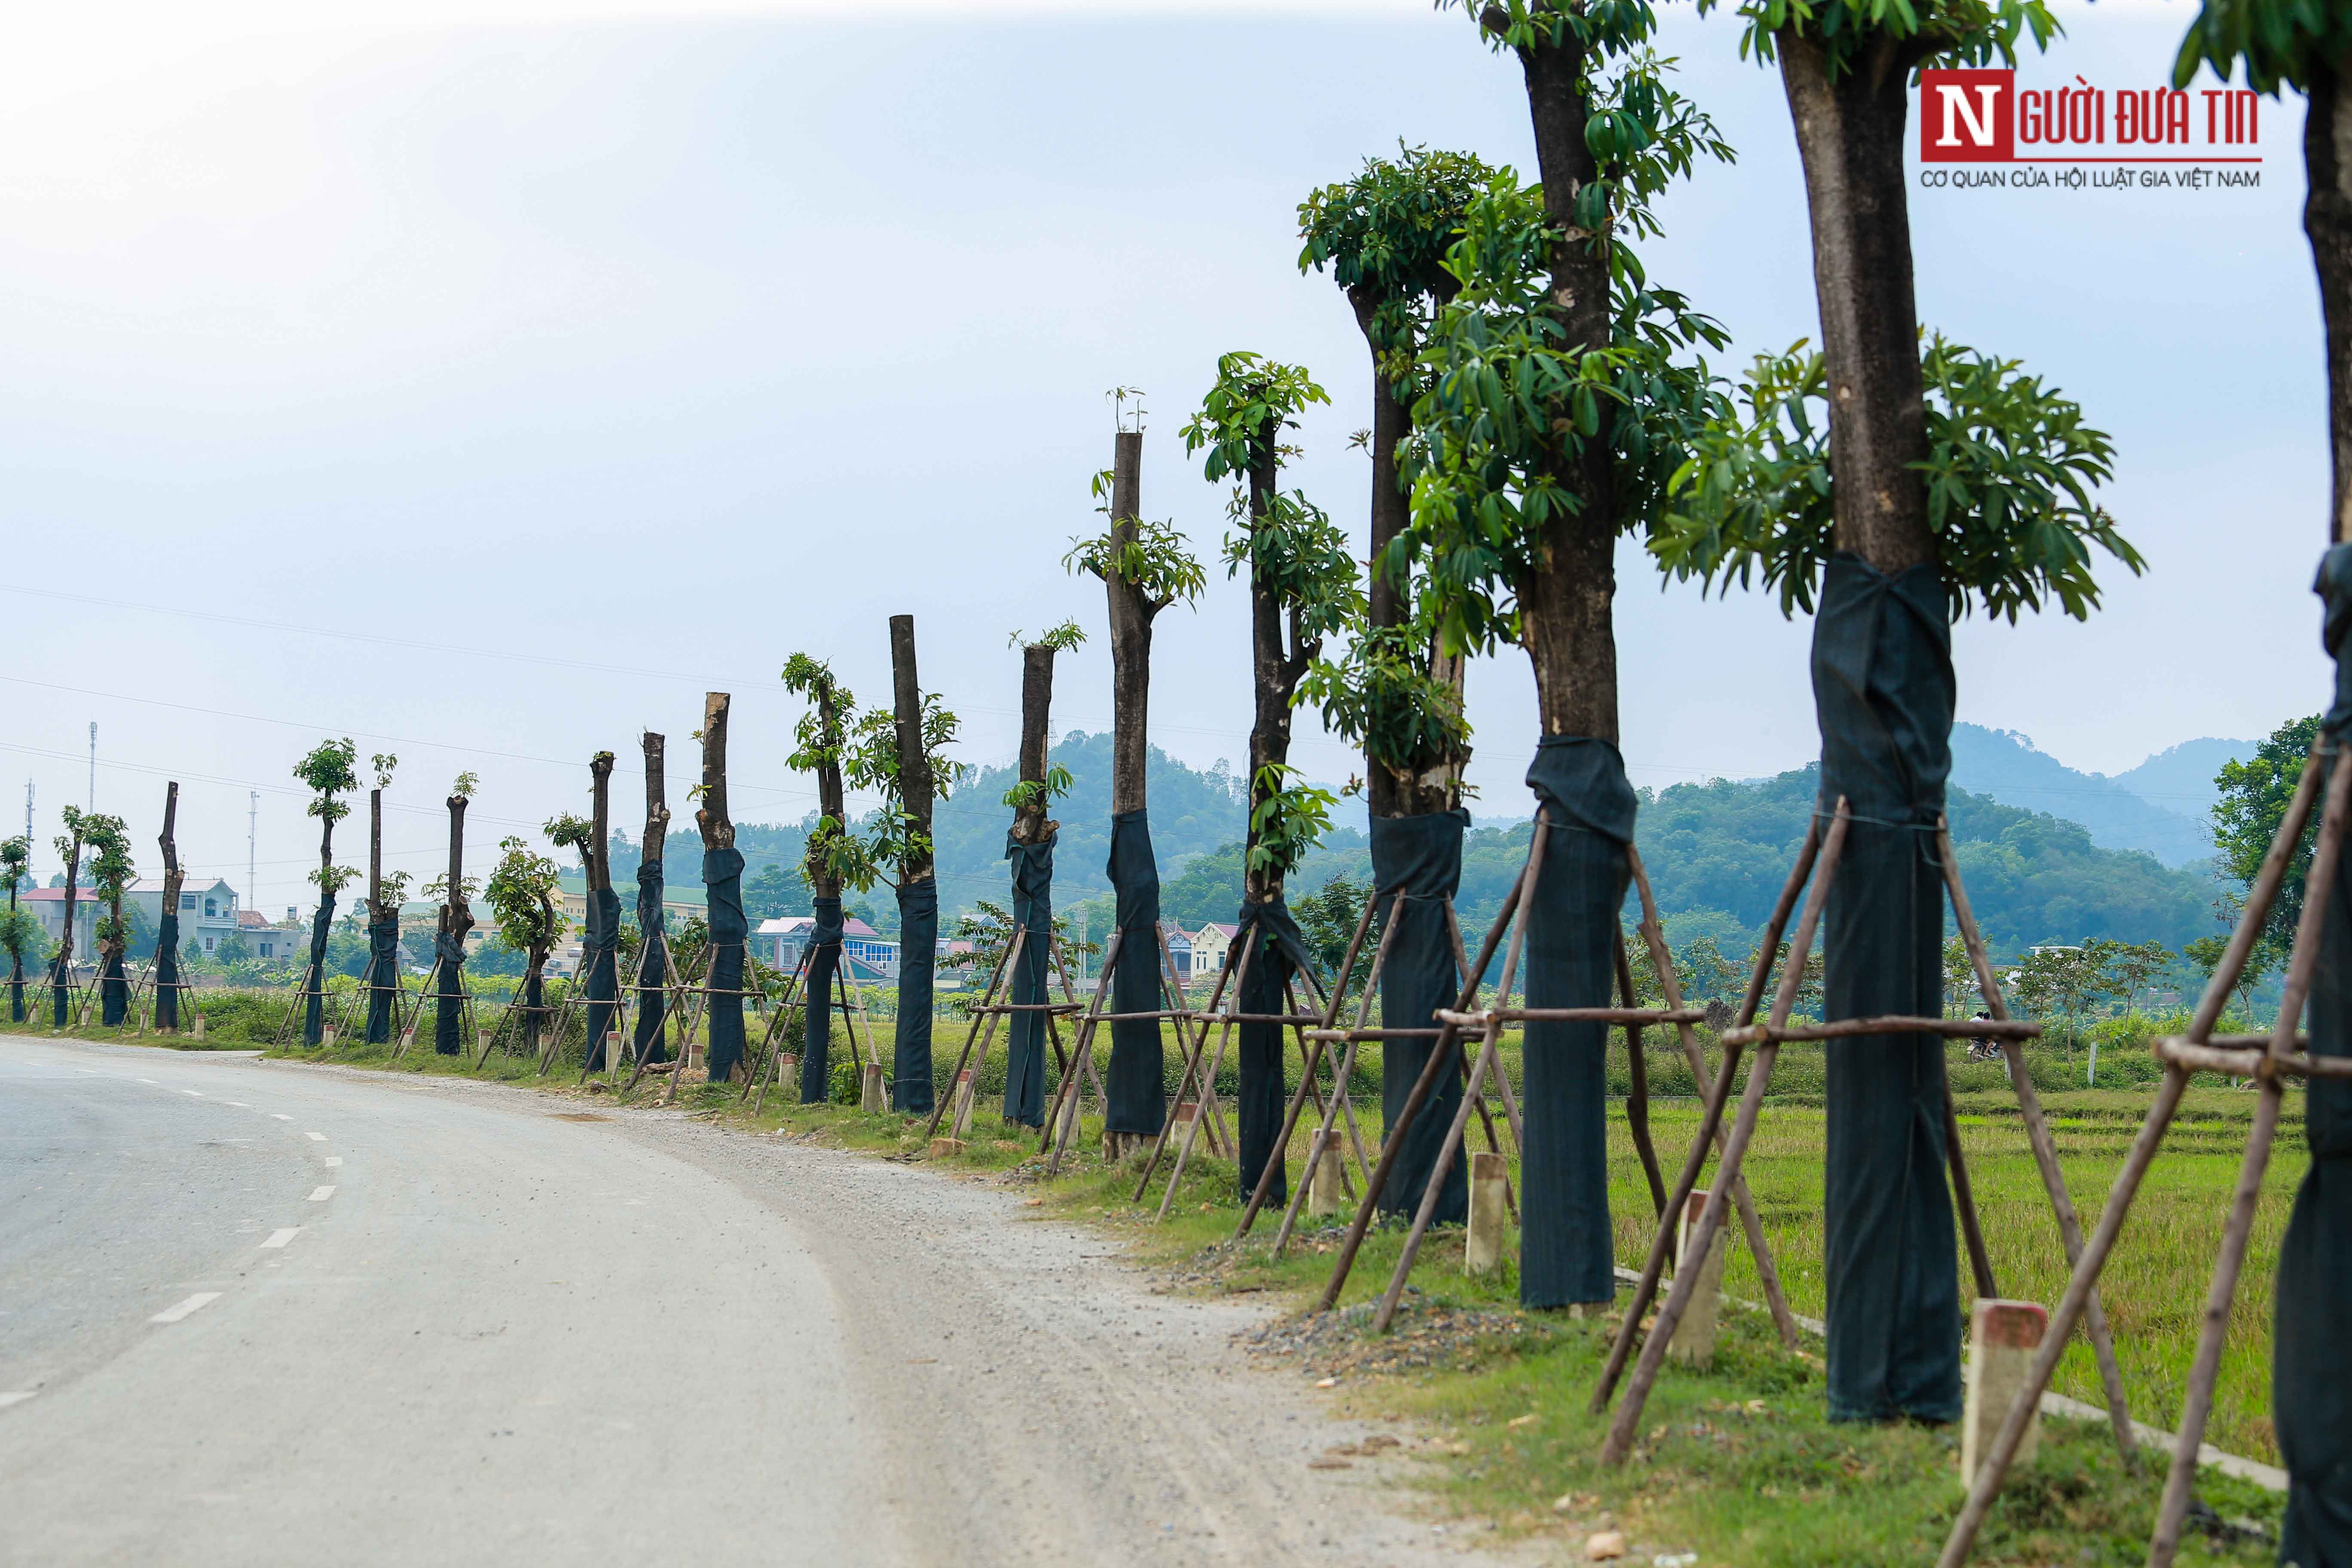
<point>2009,474</point>
<point>1039,795</point>
<point>522,893</point>
<point>1295,552</point>
<point>1903,34</point>
<point>329,769</point>
<point>1383,236</point>
<point>2282,42</point>
<point>893,836</point>
<point>1288,818</point>
<point>1381,694</point>
<point>1158,562</point>
<point>15,862</point>
<point>1241,420</point>
<point>2252,802</point>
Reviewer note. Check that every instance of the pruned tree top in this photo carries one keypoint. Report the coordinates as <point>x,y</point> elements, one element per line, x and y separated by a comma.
<point>521,891</point>
<point>834,857</point>
<point>1383,236</point>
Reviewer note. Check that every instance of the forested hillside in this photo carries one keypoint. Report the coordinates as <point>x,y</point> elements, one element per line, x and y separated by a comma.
<point>1716,854</point>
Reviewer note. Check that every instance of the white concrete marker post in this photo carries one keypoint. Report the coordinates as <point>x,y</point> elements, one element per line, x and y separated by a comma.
<point>1482,1248</point>
<point>1694,1340</point>
<point>1323,1197</point>
<point>874,1100</point>
<point>2002,1339</point>
<point>963,1096</point>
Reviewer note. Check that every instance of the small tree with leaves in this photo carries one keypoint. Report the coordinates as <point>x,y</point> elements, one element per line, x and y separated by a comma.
<point>68,846</point>
<point>20,931</point>
<point>522,893</point>
<point>111,871</point>
<point>385,891</point>
<point>835,856</point>
<point>328,771</point>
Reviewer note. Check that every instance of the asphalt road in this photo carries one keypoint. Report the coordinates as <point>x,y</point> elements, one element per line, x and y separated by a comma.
<point>261,1312</point>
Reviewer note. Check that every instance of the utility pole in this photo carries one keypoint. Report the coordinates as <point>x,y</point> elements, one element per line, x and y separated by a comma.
<point>252,836</point>
<point>93,766</point>
<point>28,811</point>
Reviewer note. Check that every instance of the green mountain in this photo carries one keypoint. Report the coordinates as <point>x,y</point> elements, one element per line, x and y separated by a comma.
<point>2008,766</point>
<point>1716,854</point>
<point>2181,778</point>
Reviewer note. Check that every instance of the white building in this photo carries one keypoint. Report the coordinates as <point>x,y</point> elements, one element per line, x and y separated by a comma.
<point>208,911</point>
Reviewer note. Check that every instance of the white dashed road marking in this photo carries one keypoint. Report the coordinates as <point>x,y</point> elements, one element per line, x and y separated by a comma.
<point>196,1302</point>
<point>281,1236</point>
<point>320,1195</point>
<point>334,1159</point>
<point>281,1116</point>
<point>16,1397</point>
<point>197,1092</point>
<point>239,1104</point>
<point>315,1137</point>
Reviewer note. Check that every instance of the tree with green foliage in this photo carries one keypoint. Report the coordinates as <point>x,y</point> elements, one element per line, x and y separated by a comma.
<point>328,769</point>
<point>1959,482</point>
<point>1327,919</point>
<point>1705,973</point>
<point>521,891</point>
<point>1029,845</point>
<point>111,871</point>
<point>1302,588</point>
<point>68,846</point>
<point>1556,391</point>
<point>2252,801</point>
<point>835,857</point>
<point>19,931</point>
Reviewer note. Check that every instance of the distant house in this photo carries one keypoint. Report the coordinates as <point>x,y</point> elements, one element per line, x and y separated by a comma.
<point>287,940</point>
<point>48,905</point>
<point>208,911</point>
<point>1211,945</point>
<point>1180,949</point>
<point>871,955</point>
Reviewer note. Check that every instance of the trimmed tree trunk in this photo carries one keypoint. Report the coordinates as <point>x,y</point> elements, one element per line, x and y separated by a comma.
<point>114,985</point>
<point>653,929</point>
<point>1029,845</point>
<point>534,995</point>
<point>1884,691</point>
<point>383,934</point>
<point>918,887</point>
<point>1578,779</point>
<point>600,947</point>
<point>2313,1307</point>
<point>824,937</point>
<point>314,987</point>
<point>167,923</point>
<point>61,967</point>
<point>1136,1082</point>
<point>722,880</point>
<point>456,919</point>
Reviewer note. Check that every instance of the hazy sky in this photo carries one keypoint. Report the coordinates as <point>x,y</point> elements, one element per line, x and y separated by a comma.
<point>565,366</point>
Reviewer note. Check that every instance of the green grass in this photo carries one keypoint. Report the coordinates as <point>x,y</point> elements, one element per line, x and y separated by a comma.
<point>1720,1473</point>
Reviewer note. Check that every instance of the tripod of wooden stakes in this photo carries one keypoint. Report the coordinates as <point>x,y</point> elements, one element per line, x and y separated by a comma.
<point>2269,1060</point>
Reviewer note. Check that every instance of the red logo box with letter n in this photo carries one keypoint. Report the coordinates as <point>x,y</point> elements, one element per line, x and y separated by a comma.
<point>1968,116</point>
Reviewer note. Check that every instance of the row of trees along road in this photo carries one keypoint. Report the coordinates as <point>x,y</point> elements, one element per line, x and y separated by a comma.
<point>1537,394</point>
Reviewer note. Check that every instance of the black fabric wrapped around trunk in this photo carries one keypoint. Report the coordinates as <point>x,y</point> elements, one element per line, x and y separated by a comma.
<point>1134,1080</point>
<point>113,992</point>
<point>1419,857</point>
<point>600,961</point>
<point>2311,1402</point>
<point>16,986</point>
<point>1883,692</point>
<point>1024,1041</point>
<point>314,1004</point>
<point>919,944</point>
<point>722,880</point>
<point>449,1004</point>
<point>384,977</point>
<point>534,1000</point>
<point>167,975</point>
<point>1279,952</point>
<point>61,983</point>
<point>653,965</point>
<point>1566,1256</point>
<point>823,962</point>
